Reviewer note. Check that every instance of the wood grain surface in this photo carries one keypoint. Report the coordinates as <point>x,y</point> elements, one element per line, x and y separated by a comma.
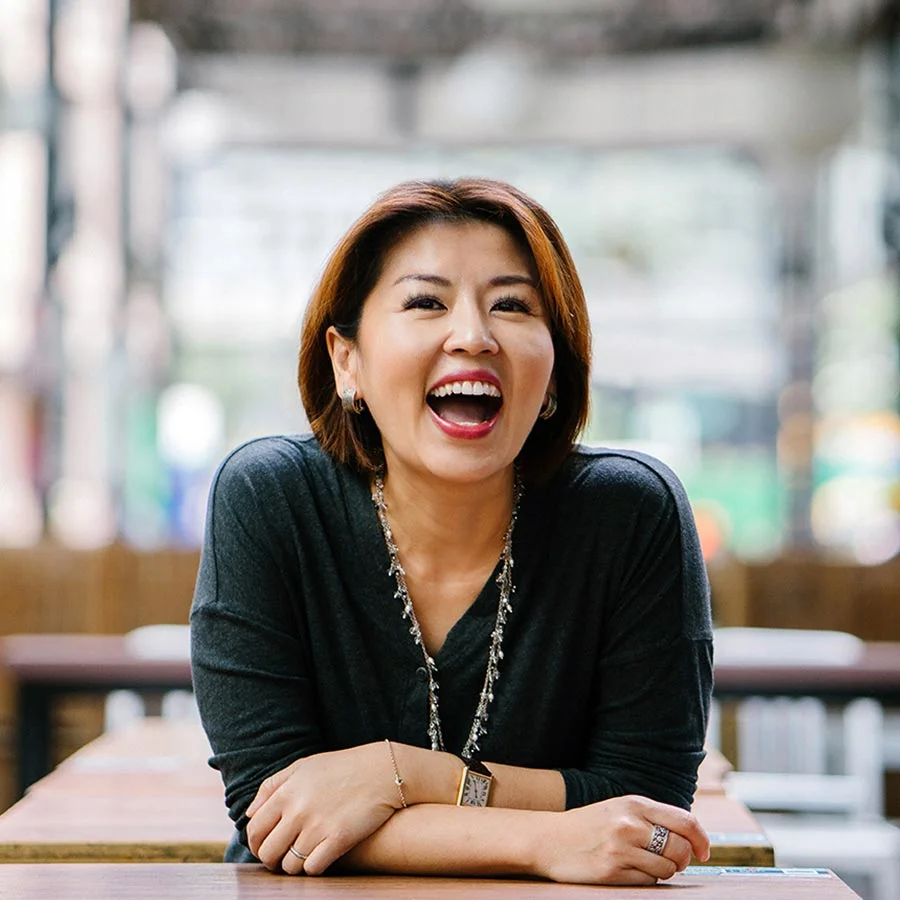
<point>233,882</point>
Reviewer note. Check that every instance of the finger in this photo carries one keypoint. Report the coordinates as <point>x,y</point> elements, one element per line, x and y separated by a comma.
<point>261,825</point>
<point>658,867</point>
<point>681,822</point>
<point>632,877</point>
<point>696,835</point>
<point>678,849</point>
<point>271,784</point>
<point>326,853</point>
<point>634,855</point>
<point>266,789</point>
<point>294,860</point>
<point>274,847</point>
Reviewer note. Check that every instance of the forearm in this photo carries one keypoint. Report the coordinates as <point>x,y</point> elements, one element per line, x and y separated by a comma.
<point>432,839</point>
<point>343,806</point>
<point>605,843</point>
<point>430,777</point>
<point>333,801</point>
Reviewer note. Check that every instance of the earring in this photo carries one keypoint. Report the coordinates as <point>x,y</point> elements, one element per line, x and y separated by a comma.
<point>549,406</point>
<point>350,403</point>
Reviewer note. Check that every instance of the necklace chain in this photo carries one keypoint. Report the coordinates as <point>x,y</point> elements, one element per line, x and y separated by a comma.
<point>495,653</point>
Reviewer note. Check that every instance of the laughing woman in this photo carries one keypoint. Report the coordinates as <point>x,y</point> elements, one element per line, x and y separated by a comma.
<point>436,636</point>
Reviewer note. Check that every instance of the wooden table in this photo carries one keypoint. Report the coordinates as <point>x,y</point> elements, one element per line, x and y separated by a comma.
<point>712,772</point>
<point>736,838</point>
<point>146,793</point>
<point>245,882</point>
<point>47,666</point>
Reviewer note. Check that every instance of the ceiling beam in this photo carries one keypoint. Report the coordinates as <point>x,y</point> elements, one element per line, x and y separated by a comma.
<point>424,29</point>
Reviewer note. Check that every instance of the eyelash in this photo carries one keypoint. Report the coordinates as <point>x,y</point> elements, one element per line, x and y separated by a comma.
<point>421,301</point>
<point>517,303</point>
<point>428,302</point>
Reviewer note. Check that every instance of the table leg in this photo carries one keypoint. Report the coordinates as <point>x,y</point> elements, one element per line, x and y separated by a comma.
<point>152,703</point>
<point>35,708</point>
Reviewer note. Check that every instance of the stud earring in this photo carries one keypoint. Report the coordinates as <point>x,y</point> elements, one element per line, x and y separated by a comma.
<point>549,407</point>
<point>350,403</point>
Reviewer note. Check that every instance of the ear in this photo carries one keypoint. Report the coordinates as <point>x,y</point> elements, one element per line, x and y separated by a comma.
<point>343,359</point>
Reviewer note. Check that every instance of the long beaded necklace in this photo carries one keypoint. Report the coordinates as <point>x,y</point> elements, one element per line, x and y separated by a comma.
<point>495,654</point>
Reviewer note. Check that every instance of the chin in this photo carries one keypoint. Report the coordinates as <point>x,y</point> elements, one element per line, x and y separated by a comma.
<point>463,469</point>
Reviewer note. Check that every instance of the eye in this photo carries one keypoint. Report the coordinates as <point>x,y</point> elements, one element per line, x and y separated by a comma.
<point>511,304</point>
<point>423,301</point>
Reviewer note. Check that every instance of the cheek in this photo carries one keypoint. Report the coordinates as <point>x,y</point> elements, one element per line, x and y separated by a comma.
<point>391,369</point>
<point>540,357</point>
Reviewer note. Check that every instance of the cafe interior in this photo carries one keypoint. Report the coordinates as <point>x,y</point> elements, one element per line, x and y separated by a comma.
<point>727,176</point>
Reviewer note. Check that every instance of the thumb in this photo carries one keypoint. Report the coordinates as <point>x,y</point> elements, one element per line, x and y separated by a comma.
<point>267,788</point>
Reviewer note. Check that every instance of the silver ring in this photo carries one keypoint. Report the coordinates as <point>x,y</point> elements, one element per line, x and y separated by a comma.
<point>298,854</point>
<point>658,838</point>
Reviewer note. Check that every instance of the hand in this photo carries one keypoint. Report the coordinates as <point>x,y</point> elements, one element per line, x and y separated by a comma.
<point>322,805</point>
<point>605,843</point>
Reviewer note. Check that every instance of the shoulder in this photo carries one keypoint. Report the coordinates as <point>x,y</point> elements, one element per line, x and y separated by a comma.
<point>640,496</point>
<point>629,476</point>
<point>267,467</point>
<point>274,452</point>
<point>266,457</point>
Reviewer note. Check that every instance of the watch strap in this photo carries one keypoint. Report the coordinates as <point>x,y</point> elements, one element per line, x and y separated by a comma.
<point>476,765</point>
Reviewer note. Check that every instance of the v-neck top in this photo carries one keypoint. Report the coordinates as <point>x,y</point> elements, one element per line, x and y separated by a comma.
<point>299,645</point>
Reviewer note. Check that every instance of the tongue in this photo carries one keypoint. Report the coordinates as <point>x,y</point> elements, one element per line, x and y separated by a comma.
<point>462,412</point>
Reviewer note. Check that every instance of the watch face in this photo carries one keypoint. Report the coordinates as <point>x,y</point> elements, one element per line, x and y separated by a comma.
<point>476,790</point>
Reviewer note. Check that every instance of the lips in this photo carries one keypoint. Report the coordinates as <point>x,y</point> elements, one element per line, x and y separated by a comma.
<point>466,401</point>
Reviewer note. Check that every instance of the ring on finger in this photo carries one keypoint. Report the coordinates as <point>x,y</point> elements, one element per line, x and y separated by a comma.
<point>301,856</point>
<point>658,839</point>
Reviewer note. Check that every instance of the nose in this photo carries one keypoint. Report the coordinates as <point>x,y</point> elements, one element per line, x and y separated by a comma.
<point>470,331</point>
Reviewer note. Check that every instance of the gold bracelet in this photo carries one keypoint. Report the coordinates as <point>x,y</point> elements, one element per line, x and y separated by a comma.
<point>397,779</point>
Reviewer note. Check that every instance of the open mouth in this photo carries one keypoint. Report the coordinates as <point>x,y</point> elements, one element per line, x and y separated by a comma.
<point>466,402</point>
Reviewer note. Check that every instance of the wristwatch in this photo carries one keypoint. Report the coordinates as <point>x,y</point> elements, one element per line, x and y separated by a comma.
<point>474,783</point>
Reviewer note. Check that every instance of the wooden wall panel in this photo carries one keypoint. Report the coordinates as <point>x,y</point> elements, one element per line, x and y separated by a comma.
<point>51,588</point>
<point>160,587</point>
<point>108,591</point>
<point>806,592</point>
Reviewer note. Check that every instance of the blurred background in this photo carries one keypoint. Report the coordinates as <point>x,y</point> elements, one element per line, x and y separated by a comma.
<point>173,174</point>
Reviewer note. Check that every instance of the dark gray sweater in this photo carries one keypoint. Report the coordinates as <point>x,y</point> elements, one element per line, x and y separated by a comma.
<point>299,645</point>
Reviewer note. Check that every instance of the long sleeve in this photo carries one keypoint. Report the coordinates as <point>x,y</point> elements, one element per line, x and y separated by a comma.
<point>250,656</point>
<point>653,670</point>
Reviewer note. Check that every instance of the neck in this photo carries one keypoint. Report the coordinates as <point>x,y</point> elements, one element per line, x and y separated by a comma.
<point>449,522</point>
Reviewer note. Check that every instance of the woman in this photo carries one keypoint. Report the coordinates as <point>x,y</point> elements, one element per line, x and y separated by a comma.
<point>438,602</point>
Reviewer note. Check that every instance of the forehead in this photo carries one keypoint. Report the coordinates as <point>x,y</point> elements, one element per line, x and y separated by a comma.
<point>445,247</point>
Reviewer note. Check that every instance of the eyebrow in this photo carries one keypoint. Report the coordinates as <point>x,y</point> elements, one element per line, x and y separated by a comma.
<point>496,281</point>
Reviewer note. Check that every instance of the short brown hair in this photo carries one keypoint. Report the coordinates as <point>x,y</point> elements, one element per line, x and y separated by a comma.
<point>355,266</point>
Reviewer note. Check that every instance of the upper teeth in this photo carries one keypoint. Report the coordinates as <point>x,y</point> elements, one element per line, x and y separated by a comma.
<point>469,388</point>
